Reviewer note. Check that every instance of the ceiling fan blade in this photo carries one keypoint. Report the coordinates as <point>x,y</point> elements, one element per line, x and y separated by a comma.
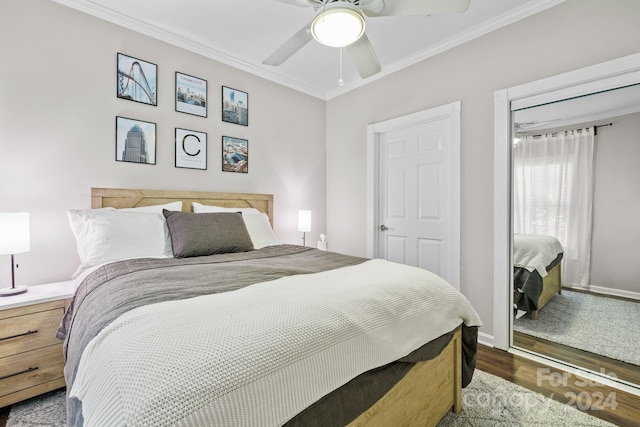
<point>423,7</point>
<point>302,3</point>
<point>364,57</point>
<point>291,46</point>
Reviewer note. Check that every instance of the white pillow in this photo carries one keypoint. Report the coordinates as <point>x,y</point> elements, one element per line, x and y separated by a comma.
<point>200,208</point>
<point>108,234</point>
<point>260,230</point>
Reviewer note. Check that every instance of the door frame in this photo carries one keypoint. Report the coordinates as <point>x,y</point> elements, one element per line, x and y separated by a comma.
<point>450,112</point>
<point>604,76</point>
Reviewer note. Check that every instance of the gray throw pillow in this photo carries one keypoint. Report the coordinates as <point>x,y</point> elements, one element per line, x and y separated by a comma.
<point>199,234</point>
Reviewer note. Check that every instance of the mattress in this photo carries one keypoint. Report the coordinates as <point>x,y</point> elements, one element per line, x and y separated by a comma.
<point>255,338</point>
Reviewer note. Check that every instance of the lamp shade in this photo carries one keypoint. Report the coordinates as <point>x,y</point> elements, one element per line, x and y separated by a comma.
<point>338,25</point>
<point>14,233</point>
<point>304,221</point>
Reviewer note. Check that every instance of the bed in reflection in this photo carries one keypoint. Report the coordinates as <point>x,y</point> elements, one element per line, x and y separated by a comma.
<point>190,312</point>
<point>537,275</point>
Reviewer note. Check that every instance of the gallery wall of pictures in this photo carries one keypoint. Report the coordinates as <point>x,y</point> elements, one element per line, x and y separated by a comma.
<point>137,140</point>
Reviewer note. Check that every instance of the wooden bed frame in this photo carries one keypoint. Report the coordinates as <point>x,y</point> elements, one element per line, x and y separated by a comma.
<point>132,198</point>
<point>428,391</point>
<point>425,395</point>
<point>551,285</point>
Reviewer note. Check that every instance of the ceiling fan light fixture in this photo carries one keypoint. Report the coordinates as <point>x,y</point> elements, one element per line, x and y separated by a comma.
<point>338,26</point>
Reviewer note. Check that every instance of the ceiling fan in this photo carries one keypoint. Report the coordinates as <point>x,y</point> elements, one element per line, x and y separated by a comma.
<point>341,23</point>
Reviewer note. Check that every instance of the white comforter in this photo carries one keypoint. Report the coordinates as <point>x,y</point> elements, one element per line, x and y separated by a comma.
<point>260,355</point>
<point>535,252</point>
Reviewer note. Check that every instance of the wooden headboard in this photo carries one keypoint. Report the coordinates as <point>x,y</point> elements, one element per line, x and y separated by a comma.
<point>130,198</point>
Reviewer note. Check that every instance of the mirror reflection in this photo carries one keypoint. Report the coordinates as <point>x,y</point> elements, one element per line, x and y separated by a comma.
<point>576,204</point>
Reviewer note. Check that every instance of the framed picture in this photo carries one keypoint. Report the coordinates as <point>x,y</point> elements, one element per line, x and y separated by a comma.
<point>191,149</point>
<point>235,106</point>
<point>235,154</point>
<point>135,141</point>
<point>191,95</point>
<point>137,80</point>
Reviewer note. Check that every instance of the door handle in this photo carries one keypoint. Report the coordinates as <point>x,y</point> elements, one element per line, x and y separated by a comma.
<point>383,227</point>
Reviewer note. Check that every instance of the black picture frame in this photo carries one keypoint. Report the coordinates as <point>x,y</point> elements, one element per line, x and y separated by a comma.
<point>191,149</point>
<point>135,141</point>
<point>235,106</point>
<point>137,80</point>
<point>235,154</point>
<point>191,95</point>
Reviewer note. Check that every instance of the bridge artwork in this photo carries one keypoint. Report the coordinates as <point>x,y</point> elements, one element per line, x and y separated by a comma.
<point>137,80</point>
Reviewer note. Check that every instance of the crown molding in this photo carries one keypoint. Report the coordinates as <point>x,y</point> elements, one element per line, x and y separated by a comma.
<point>229,59</point>
<point>225,58</point>
<point>487,27</point>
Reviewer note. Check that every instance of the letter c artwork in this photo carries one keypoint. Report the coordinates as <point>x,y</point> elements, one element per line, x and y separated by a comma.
<point>184,148</point>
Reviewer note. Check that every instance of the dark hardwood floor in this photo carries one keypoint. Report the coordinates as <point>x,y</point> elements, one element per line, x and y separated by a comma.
<point>588,360</point>
<point>542,379</point>
<point>621,408</point>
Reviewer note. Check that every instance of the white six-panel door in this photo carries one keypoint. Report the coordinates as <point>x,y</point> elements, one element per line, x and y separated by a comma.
<point>416,183</point>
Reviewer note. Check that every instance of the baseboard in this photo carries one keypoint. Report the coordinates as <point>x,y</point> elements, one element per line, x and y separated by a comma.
<point>606,291</point>
<point>485,339</point>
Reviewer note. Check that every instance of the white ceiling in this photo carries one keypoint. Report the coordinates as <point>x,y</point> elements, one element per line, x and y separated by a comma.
<point>242,33</point>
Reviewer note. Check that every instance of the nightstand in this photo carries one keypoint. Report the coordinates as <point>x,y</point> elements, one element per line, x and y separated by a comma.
<point>31,361</point>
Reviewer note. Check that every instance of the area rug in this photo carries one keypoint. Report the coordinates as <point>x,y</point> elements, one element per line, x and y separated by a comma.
<point>488,401</point>
<point>600,325</point>
<point>47,410</point>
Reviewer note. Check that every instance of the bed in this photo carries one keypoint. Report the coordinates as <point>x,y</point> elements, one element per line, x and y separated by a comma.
<point>274,335</point>
<point>537,275</point>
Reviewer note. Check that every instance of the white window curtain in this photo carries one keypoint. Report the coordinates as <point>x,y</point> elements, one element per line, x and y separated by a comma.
<point>553,179</point>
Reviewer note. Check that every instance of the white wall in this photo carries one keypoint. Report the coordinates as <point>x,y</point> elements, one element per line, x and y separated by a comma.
<point>572,35</point>
<point>57,119</point>
<point>616,211</point>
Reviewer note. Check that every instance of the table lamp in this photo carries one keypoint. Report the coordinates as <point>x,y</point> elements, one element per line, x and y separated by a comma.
<point>304,223</point>
<point>14,239</point>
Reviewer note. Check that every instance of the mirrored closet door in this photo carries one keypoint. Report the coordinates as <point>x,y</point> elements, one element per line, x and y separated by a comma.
<point>575,209</point>
<point>597,105</point>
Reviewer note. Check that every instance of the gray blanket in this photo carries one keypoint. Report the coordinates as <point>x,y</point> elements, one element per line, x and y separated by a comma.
<point>116,288</point>
<point>527,286</point>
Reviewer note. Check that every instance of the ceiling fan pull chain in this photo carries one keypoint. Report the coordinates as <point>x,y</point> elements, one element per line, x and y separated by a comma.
<point>340,82</point>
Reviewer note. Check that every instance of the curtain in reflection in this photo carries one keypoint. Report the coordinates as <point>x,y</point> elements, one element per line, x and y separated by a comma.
<point>553,195</point>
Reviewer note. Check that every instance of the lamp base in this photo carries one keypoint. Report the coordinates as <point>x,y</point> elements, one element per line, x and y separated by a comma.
<point>7,292</point>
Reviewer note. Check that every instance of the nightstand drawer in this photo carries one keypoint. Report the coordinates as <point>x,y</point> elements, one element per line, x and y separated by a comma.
<point>31,360</point>
<point>26,370</point>
<point>30,331</point>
